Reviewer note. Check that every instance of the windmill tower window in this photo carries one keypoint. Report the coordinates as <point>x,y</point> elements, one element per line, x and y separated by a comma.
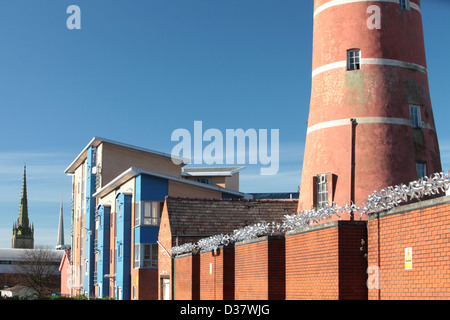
<point>416,119</point>
<point>405,5</point>
<point>421,169</point>
<point>322,190</point>
<point>353,59</point>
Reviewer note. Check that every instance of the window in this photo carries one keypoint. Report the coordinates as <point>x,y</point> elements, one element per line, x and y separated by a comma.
<point>204,180</point>
<point>322,190</point>
<point>353,59</point>
<point>416,119</point>
<point>404,4</point>
<point>146,255</point>
<point>421,169</point>
<point>147,213</point>
<point>120,211</point>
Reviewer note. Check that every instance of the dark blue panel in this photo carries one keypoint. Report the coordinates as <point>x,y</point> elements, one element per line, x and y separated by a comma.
<point>230,196</point>
<point>146,234</point>
<point>151,188</point>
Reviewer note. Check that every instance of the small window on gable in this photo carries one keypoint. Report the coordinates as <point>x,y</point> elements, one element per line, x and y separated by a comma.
<point>322,190</point>
<point>204,180</point>
<point>353,59</point>
<point>404,4</point>
<point>416,119</point>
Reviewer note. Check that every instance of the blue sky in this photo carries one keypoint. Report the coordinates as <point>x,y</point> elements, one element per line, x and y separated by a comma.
<point>137,70</point>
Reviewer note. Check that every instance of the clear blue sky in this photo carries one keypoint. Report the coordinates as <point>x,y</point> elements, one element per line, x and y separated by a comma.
<point>137,70</point>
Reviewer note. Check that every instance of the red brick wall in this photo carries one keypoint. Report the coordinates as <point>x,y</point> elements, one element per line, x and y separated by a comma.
<point>164,248</point>
<point>217,274</point>
<point>260,269</point>
<point>187,277</point>
<point>352,262</point>
<point>325,262</point>
<point>424,227</point>
<point>146,283</point>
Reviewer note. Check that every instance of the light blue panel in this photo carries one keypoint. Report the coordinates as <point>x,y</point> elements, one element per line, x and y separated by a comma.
<point>123,241</point>
<point>90,221</point>
<point>103,241</point>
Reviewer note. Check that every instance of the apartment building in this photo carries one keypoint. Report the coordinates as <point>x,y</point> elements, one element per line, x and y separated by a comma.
<point>117,196</point>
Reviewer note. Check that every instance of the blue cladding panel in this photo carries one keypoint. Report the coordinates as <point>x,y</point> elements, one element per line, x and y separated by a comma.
<point>104,214</point>
<point>146,234</point>
<point>230,196</point>
<point>151,188</point>
<point>123,225</point>
<point>90,220</point>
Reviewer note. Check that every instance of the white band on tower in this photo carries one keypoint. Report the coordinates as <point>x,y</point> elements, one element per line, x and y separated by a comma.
<point>376,61</point>
<point>339,2</point>
<point>362,120</point>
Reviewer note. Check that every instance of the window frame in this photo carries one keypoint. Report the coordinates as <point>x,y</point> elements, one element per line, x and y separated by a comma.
<point>405,4</point>
<point>415,116</point>
<point>322,190</point>
<point>205,180</point>
<point>421,169</point>
<point>147,213</point>
<point>144,259</point>
<point>353,66</point>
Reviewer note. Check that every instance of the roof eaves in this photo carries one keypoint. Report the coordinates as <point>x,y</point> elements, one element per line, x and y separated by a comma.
<point>133,171</point>
<point>210,172</point>
<point>96,141</point>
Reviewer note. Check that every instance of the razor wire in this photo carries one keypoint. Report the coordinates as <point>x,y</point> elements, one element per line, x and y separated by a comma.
<point>384,199</point>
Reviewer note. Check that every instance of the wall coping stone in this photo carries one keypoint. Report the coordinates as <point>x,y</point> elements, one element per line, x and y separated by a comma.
<point>326,225</point>
<point>410,207</point>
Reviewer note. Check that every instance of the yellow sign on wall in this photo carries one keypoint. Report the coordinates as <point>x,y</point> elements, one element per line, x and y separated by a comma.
<point>408,258</point>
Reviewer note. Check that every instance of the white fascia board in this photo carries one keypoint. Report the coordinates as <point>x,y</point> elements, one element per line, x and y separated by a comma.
<point>209,173</point>
<point>98,140</point>
<point>133,171</point>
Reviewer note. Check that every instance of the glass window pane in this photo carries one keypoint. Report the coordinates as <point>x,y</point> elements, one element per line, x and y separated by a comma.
<point>147,251</point>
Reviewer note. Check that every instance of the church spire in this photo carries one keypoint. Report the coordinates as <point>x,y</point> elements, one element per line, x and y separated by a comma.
<point>23,233</point>
<point>23,210</point>
<point>60,240</point>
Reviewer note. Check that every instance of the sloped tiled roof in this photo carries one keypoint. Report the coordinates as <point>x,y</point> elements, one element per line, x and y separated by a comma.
<point>206,217</point>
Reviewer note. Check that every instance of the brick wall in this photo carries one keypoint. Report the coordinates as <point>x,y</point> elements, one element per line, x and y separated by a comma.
<point>145,284</point>
<point>260,269</point>
<point>187,277</point>
<point>217,274</point>
<point>325,262</point>
<point>329,262</point>
<point>423,227</point>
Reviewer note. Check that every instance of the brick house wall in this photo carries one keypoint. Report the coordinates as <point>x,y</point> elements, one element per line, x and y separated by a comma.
<point>144,284</point>
<point>217,274</point>
<point>325,262</point>
<point>423,227</point>
<point>260,269</point>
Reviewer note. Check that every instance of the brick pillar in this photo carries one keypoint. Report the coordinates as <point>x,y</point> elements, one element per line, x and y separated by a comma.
<point>217,274</point>
<point>187,277</point>
<point>325,262</point>
<point>260,269</point>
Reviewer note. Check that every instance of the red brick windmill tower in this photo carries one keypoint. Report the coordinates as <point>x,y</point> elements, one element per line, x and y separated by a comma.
<point>370,120</point>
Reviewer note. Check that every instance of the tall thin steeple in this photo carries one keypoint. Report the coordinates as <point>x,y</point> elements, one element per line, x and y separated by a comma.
<point>60,239</point>
<point>23,232</point>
